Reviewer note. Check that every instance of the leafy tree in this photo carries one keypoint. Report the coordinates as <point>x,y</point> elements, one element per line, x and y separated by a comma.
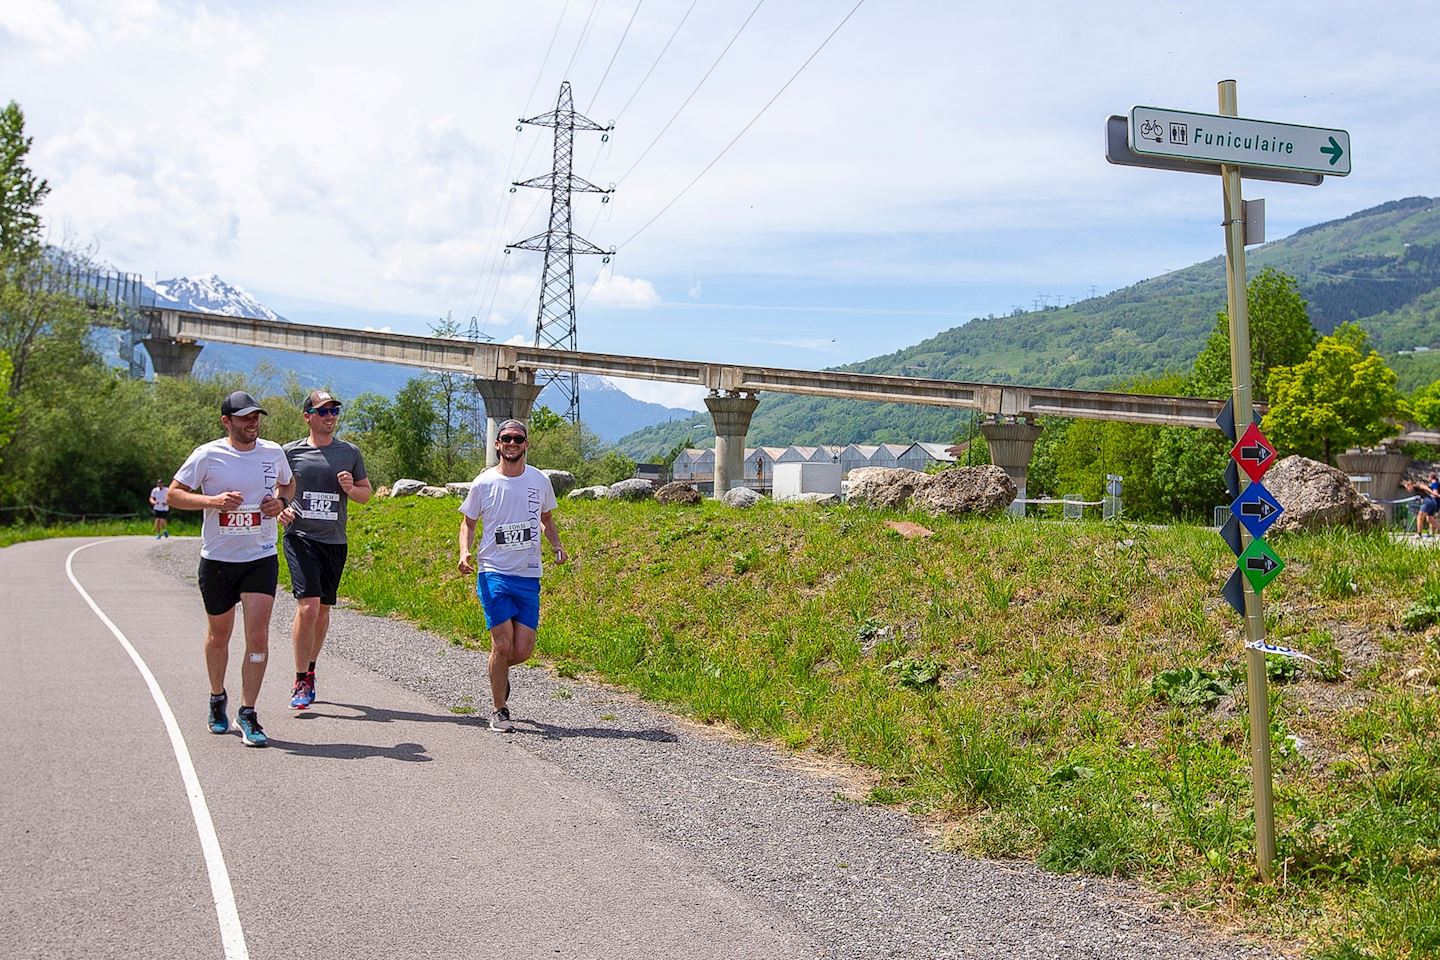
<point>1341,395</point>
<point>1188,470</point>
<point>20,190</point>
<point>1280,335</point>
<point>543,419</point>
<point>456,405</point>
<point>412,428</point>
<point>611,467</point>
<point>1424,406</point>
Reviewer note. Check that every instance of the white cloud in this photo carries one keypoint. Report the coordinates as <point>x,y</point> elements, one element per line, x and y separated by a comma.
<point>932,153</point>
<point>615,290</point>
<point>384,329</point>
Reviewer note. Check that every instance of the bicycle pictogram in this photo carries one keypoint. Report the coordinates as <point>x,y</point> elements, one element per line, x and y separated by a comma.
<point>1152,130</point>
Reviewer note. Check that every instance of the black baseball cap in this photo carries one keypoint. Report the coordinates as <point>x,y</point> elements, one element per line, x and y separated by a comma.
<point>240,404</point>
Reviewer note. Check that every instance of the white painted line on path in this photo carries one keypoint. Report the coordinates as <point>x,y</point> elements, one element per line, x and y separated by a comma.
<point>230,933</point>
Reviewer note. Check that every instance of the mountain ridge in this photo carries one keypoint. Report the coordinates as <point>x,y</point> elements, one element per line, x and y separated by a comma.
<point>1379,267</point>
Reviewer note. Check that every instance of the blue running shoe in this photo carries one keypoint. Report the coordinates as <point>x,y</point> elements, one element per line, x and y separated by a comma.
<point>219,714</point>
<point>302,695</point>
<point>311,678</point>
<point>249,723</point>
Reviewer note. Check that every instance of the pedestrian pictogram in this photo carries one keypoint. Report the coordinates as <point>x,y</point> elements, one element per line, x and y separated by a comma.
<point>1253,453</point>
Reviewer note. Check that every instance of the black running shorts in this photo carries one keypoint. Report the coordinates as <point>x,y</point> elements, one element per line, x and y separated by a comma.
<point>221,583</point>
<point>315,567</point>
<point>162,514</point>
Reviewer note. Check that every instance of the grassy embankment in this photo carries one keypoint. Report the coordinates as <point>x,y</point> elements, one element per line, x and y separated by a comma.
<point>1068,692</point>
<point>186,525</point>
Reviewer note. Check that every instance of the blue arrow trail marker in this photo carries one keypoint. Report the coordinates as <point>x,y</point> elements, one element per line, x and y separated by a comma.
<point>1257,508</point>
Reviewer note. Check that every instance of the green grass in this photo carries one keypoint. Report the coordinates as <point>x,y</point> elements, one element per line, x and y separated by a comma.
<point>138,527</point>
<point>1071,693</point>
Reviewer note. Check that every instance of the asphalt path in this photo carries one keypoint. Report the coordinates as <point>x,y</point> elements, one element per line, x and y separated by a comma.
<point>421,835</point>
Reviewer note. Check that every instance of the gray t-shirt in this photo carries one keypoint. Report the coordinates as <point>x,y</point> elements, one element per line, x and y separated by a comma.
<point>320,504</point>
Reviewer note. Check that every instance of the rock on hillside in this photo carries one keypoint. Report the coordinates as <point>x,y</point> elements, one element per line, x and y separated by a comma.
<point>984,490</point>
<point>1316,495</point>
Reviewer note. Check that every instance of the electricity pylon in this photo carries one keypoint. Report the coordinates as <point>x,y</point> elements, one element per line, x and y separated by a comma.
<point>555,321</point>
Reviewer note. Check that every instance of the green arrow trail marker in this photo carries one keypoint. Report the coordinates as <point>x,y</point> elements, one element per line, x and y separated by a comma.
<point>1260,564</point>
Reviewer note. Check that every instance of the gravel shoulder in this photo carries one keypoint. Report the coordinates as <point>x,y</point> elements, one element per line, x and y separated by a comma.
<point>861,881</point>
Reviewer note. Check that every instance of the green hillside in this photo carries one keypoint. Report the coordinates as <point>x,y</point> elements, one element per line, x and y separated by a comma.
<point>1379,267</point>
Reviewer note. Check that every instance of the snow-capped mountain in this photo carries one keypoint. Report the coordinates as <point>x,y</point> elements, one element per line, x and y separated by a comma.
<point>210,294</point>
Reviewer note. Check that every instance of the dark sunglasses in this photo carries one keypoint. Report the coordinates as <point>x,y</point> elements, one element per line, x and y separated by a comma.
<point>512,438</point>
<point>324,411</point>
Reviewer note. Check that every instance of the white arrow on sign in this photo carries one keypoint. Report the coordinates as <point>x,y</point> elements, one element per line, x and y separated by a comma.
<point>1212,138</point>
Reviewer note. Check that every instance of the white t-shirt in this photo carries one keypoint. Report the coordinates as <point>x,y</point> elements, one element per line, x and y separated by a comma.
<point>160,495</point>
<point>509,508</point>
<point>242,534</point>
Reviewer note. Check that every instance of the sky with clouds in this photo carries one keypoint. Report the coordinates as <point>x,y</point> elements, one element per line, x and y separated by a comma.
<point>350,163</point>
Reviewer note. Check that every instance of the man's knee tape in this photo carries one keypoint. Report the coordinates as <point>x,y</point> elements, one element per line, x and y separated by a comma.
<point>257,658</point>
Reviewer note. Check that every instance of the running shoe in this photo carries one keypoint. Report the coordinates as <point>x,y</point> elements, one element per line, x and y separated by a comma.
<point>500,720</point>
<point>303,695</point>
<point>220,714</point>
<point>249,723</point>
<point>311,677</point>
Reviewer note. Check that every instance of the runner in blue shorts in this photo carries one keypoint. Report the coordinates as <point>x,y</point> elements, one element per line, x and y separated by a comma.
<point>512,502</point>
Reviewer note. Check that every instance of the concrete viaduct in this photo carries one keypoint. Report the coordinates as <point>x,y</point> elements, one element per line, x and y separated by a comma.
<point>505,378</point>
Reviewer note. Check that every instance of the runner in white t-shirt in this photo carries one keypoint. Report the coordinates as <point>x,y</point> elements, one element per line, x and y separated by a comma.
<point>515,502</point>
<point>160,508</point>
<point>242,483</point>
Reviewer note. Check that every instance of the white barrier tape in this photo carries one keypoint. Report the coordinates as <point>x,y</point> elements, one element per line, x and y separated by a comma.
<point>1280,651</point>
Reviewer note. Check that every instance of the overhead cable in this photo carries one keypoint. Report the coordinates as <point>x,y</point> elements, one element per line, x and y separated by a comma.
<point>687,100</point>
<point>747,126</point>
<point>606,75</point>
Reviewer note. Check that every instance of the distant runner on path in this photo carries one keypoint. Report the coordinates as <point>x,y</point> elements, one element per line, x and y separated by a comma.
<point>242,483</point>
<point>328,474</point>
<point>160,508</point>
<point>515,502</point>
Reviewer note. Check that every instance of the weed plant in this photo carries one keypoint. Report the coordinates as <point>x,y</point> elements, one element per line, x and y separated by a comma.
<point>1069,692</point>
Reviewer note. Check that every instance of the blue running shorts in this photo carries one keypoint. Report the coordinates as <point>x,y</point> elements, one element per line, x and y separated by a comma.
<point>508,597</point>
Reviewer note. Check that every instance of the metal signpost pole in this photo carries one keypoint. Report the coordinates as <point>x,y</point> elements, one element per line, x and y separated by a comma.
<point>1257,686</point>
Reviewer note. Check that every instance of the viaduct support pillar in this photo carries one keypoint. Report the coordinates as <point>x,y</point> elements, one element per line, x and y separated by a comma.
<point>731,414</point>
<point>504,400</point>
<point>1011,443</point>
<point>1386,468</point>
<point>171,357</point>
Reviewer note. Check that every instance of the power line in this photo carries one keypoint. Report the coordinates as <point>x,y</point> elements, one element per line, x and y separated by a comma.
<point>541,72</point>
<point>606,75</point>
<point>584,32</point>
<point>747,126</point>
<point>673,34</point>
<point>687,100</point>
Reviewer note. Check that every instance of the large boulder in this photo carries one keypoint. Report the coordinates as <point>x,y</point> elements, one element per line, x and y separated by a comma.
<point>1316,495</point>
<point>563,481</point>
<point>459,488</point>
<point>632,489</point>
<point>742,497</point>
<point>884,486</point>
<point>588,493</point>
<point>678,492</point>
<point>985,490</point>
<point>429,491</point>
<point>407,488</point>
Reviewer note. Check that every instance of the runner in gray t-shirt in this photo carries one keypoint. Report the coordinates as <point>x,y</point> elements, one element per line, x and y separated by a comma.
<point>328,474</point>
